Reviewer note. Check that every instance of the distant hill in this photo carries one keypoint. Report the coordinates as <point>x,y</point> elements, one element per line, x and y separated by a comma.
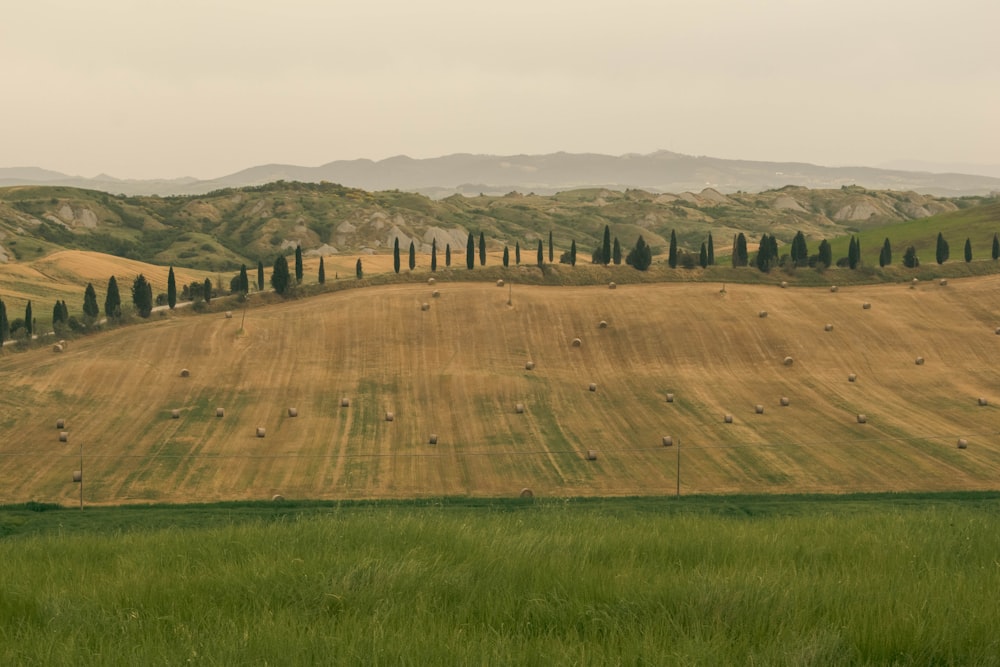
<point>662,171</point>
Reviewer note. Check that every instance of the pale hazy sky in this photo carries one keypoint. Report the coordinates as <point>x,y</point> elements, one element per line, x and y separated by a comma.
<point>167,88</point>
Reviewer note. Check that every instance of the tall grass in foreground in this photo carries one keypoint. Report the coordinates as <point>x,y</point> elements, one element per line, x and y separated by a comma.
<point>557,585</point>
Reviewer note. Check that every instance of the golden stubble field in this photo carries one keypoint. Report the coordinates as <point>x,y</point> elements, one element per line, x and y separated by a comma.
<point>457,370</point>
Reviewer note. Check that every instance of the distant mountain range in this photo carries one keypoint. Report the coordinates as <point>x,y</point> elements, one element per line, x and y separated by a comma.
<point>662,171</point>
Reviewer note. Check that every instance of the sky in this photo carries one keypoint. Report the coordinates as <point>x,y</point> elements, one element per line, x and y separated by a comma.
<point>204,88</point>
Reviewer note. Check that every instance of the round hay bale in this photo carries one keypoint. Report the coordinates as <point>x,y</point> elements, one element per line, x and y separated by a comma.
<point>60,424</point>
<point>526,493</point>
<point>345,402</point>
<point>57,348</point>
<point>591,454</point>
<point>185,373</point>
<point>668,441</point>
<point>728,419</point>
<point>277,498</point>
<point>919,361</point>
<point>433,439</point>
<point>997,331</point>
<point>260,432</point>
<point>944,282</point>
<point>914,281</point>
<point>436,294</point>
<point>64,344</point>
<point>175,414</point>
<point>784,284</point>
<point>593,387</point>
<point>220,412</point>
<point>529,366</point>
<point>611,285</point>
<point>425,306</point>
<point>519,408</point>
<point>431,281</point>
<point>828,327</point>
<point>759,409</point>
<point>852,377</point>
<point>833,288</point>
<point>63,436</point>
<point>862,419</point>
<point>962,443</point>
<point>983,401</point>
<point>670,398</point>
<point>77,476</point>
<point>389,416</point>
<point>500,283</point>
<point>229,314</point>
<point>866,306</point>
<point>762,313</point>
<point>577,342</point>
<point>784,401</point>
<point>789,361</point>
<point>603,324</point>
<point>293,412</point>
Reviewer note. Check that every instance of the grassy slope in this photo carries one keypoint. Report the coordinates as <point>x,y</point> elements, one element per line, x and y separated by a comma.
<point>457,370</point>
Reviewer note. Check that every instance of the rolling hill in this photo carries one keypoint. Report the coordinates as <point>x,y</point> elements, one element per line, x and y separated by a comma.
<point>458,370</point>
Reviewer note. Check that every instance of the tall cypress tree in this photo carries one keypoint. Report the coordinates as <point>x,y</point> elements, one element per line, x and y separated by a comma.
<point>825,253</point>
<point>641,256</point>
<point>298,265</point>
<point>434,255</point>
<point>90,308</point>
<point>541,254</point>
<point>279,275</point>
<point>506,257</point>
<point>112,300</point>
<point>741,256</point>
<point>245,280</point>
<point>482,249</point>
<point>171,289</point>
<point>996,246</point>
<point>606,246</point>
<point>517,252</point>
<point>447,254</point>
<point>4,324</point>
<point>57,316</point>
<point>413,256</point>
<point>206,290</point>
<point>711,250</point>
<point>885,257</point>
<point>968,250</point>
<point>470,252</point>
<point>572,253</point>
<point>941,254</point>
<point>29,320</point>
<point>142,296</point>
<point>853,254</point>
<point>395,255</point>
<point>551,251</point>
<point>799,251</point>
<point>703,256</point>
<point>616,252</point>
<point>357,269</point>
<point>260,276</point>
<point>672,256</point>
<point>322,271</point>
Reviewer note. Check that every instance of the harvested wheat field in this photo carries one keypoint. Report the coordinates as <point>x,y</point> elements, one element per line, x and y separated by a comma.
<point>459,370</point>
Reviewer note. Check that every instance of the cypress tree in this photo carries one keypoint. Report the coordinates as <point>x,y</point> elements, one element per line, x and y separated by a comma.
<point>551,256</point>
<point>322,271</point>
<point>65,313</point>
<point>606,246</point>
<point>470,252</point>
<point>641,255</point>
<point>763,259</point>
<point>852,254</point>
<point>941,255</point>
<point>171,289</point>
<point>447,254</point>
<point>885,258</point>
<point>142,296</point>
<point>29,324</point>
<point>800,250</point>
<point>279,275</point>
<point>207,290</point>
<point>413,256</point>
<point>825,253</point>
<point>541,254</point>
<point>616,252</point>
<point>245,280</point>
<point>517,252</point>
<point>996,246</point>
<point>910,260</point>
<point>572,253</point>
<point>57,316</point>
<point>482,249</point>
<point>112,300</point>
<point>711,250</point>
<point>4,324</point>
<point>703,257</point>
<point>741,256</point>
<point>672,256</point>
<point>260,276</point>
<point>298,265</point>
<point>506,257</point>
<point>395,255</point>
<point>90,308</point>
<point>968,250</point>
<point>357,270</point>
<point>434,255</point>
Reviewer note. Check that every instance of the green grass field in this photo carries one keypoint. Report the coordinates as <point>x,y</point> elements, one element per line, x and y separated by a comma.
<point>901,580</point>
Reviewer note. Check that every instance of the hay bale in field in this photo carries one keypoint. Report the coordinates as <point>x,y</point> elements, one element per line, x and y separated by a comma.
<point>77,476</point>
<point>591,454</point>
<point>611,285</point>
<point>914,282</point>
<point>919,361</point>
<point>668,441</point>
<point>63,436</point>
<point>64,344</point>
<point>866,306</point>
<point>433,439</point>
<point>784,284</point>
<point>828,327</point>
<point>983,401</point>
<point>431,281</point>
<point>57,348</point>
<point>526,493</point>
<point>229,314</point>
<point>593,386</point>
<point>519,408</point>
<point>389,416</point>
<point>852,377</point>
<point>603,324</point>
<point>784,401</point>
<point>500,283</point>
<point>788,361</point>
<point>277,498</point>
<point>345,402</point>
<point>670,398</point>
<point>862,419</point>
<point>759,409</point>
<point>529,366</point>
<point>728,419</point>
<point>185,373</point>
<point>436,294</point>
<point>762,313</point>
<point>60,424</point>
<point>261,432</point>
<point>293,412</point>
<point>220,412</point>
<point>834,288</point>
<point>425,306</point>
<point>997,331</point>
<point>944,282</point>
<point>577,342</point>
<point>175,414</point>
<point>962,443</point>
